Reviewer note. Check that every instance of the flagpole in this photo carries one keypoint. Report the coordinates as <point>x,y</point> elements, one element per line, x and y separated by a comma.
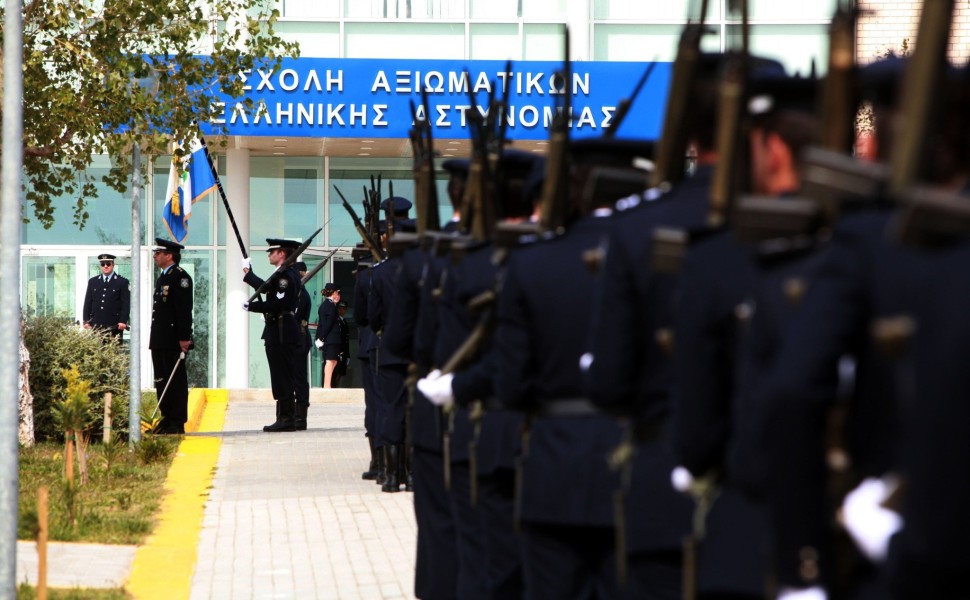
<point>222,193</point>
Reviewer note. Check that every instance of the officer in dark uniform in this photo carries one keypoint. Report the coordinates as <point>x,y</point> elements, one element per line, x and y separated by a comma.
<point>282,334</point>
<point>303,380</point>
<point>366,342</point>
<point>566,494</point>
<point>399,206</point>
<point>629,370</point>
<point>107,299</point>
<point>411,332</point>
<point>343,354</point>
<point>485,438</point>
<point>171,335</point>
<point>713,367</point>
<point>391,368</point>
<point>328,333</point>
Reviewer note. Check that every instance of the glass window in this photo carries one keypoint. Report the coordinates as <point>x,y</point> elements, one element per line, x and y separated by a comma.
<point>220,347</point>
<point>796,46</point>
<point>405,40</point>
<point>496,9</point>
<point>109,216</point>
<point>492,41</point>
<point>636,42</point>
<point>821,10</point>
<point>543,42</point>
<point>315,38</point>
<point>309,8</point>
<point>670,10</point>
<point>200,223</point>
<point>198,264</point>
<point>286,198</point>
<point>545,11</point>
<point>48,286</point>
<point>351,175</point>
<point>404,9</point>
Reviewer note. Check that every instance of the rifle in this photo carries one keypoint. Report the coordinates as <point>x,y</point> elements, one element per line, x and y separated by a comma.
<point>389,212</point>
<point>731,163</point>
<point>284,265</point>
<point>838,101</point>
<point>672,153</point>
<point>554,204</point>
<point>317,268</point>
<point>624,106</point>
<point>425,191</point>
<point>374,248</point>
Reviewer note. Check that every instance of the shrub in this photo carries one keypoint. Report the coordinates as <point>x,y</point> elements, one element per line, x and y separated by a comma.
<point>56,343</point>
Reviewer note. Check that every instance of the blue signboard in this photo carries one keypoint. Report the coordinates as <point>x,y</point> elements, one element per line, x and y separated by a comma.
<point>324,97</point>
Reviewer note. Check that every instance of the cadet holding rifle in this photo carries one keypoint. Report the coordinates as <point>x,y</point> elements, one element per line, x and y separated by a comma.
<point>282,334</point>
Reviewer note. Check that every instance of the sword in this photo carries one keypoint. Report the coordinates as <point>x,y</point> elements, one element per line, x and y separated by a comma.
<point>168,383</point>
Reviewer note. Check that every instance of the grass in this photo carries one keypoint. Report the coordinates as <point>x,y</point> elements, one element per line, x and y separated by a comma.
<point>116,506</point>
<point>29,592</point>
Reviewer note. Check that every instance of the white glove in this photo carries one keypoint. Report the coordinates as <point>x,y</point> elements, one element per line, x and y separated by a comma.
<point>247,264</point>
<point>681,479</point>
<point>437,388</point>
<point>812,593</point>
<point>318,344</point>
<point>245,304</point>
<point>869,523</point>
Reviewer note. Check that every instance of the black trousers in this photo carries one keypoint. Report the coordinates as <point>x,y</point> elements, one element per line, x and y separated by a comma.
<point>370,397</point>
<point>569,562</point>
<point>503,546</point>
<point>436,571</point>
<point>284,369</point>
<point>174,405</point>
<point>394,403</point>
<point>472,560</point>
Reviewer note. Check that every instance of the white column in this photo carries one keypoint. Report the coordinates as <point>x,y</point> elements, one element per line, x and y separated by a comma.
<point>579,18</point>
<point>237,320</point>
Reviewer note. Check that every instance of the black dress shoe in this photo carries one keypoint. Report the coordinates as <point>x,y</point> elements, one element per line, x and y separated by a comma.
<point>280,425</point>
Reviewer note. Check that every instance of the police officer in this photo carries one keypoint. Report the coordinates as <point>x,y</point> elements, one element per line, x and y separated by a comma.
<point>171,335</point>
<point>282,334</point>
<point>107,299</point>
<point>366,341</point>
<point>328,332</point>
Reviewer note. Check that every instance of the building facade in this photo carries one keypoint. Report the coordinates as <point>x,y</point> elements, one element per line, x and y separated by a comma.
<point>280,175</point>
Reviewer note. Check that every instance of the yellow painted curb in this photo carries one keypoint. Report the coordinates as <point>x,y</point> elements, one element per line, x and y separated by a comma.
<point>164,564</point>
<point>197,402</point>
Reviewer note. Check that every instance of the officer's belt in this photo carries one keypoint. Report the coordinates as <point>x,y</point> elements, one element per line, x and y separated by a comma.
<point>568,407</point>
<point>274,315</point>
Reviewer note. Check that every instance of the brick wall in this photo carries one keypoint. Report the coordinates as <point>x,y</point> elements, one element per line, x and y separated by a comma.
<point>884,24</point>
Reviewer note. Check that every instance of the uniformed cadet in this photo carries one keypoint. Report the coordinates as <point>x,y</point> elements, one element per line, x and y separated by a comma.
<point>343,355</point>
<point>629,363</point>
<point>484,440</point>
<point>170,337</point>
<point>366,342</point>
<point>282,334</point>
<point>872,301</point>
<point>565,500</point>
<point>410,332</point>
<point>713,364</point>
<point>107,299</point>
<point>391,369</point>
<point>303,316</point>
<point>328,333</point>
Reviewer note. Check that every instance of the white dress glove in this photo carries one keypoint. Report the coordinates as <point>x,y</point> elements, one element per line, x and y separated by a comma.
<point>318,344</point>
<point>245,304</point>
<point>247,264</point>
<point>437,388</point>
<point>812,593</point>
<point>869,523</point>
<point>681,479</point>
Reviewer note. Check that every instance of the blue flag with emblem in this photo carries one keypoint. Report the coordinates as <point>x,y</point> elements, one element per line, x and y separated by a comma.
<point>189,179</point>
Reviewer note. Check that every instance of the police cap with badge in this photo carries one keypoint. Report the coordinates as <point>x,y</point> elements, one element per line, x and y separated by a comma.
<point>280,244</point>
<point>163,245</point>
<point>106,258</point>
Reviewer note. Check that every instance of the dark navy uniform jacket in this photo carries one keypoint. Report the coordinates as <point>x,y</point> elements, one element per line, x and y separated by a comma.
<point>379,302</point>
<point>631,373</point>
<point>538,342</point>
<point>171,310</point>
<point>327,329</point>
<point>929,557</point>
<point>107,303</point>
<point>862,278</point>
<point>499,439</point>
<point>282,298</point>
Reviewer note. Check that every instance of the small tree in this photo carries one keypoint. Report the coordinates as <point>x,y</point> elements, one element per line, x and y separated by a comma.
<point>72,414</point>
